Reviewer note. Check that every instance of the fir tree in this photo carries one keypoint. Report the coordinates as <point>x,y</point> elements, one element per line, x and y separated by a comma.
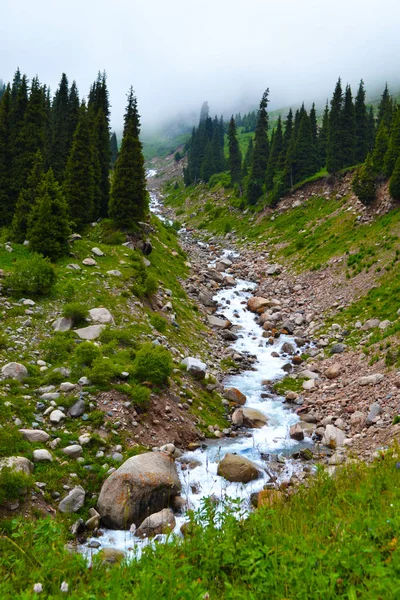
<point>364,181</point>
<point>305,161</point>
<point>72,115</point>
<point>323,137</point>
<point>113,149</point>
<point>216,148</point>
<point>334,154</point>
<point>361,125</point>
<point>61,141</point>
<point>260,153</point>
<point>393,151</point>
<point>129,200</point>
<point>26,200</point>
<point>248,157</point>
<point>385,109</point>
<point>48,227</point>
<point>235,158</point>
<point>275,156</point>
<point>380,148</point>
<point>207,165</point>
<point>371,129</point>
<point>5,158</point>
<point>17,145</point>
<point>78,186</point>
<point>314,128</point>
<point>394,184</point>
<point>348,126</point>
<point>287,136</point>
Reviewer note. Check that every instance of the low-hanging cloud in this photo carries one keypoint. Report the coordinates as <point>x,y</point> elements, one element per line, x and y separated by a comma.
<point>178,53</point>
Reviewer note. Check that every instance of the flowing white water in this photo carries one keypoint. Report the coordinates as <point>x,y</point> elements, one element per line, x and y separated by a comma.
<point>259,445</point>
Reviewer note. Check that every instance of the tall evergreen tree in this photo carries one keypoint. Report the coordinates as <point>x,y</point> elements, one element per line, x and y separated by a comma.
<point>287,136</point>
<point>113,149</point>
<point>78,185</point>
<point>394,183</point>
<point>48,227</point>
<point>314,127</point>
<point>235,158</point>
<point>361,125</point>
<point>26,200</point>
<point>60,143</point>
<point>348,126</point>
<point>216,147</point>
<point>72,115</point>
<point>248,157</point>
<point>323,137</point>
<point>17,119</point>
<point>305,160</point>
<point>5,158</point>
<point>385,109</point>
<point>129,200</point>
<point>260,153</point>
<point>393,151</point>
<point>380,148</point>
<point>334,153</point>
<point>371,129</point>
<point>363,183</point>
<point>275,156</point>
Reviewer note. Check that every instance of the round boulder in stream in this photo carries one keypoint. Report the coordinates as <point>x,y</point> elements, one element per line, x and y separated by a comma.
<point>249,417</point>
<point>234,467</point>
<point>142,485</point>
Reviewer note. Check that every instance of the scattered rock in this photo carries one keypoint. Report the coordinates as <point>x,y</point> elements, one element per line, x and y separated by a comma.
<point>338,348</point>
<point>42,455</point>
<point>62,324</point>
<point>97,252</point>
<point>160,522</point>
<point>35,435</point>
<point>101,315</point>
<point>20,464</point>
<point>374,410</point>
<point>371,379</point>
<point>89,262</point>
<point>77,409</point>
<point>73,501</point>
<point>296,432</point>
<point>333,437</point>
<point>234,395</point>
<point>333,371</point>
<point>90,333</point>
<point>218,322</point>
<point>56,416</point>
<point>14,370</point>
<point>195,367</point>
<point>73,451</point>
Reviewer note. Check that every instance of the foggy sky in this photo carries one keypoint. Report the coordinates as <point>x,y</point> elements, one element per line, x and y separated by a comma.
<point>178,53</point>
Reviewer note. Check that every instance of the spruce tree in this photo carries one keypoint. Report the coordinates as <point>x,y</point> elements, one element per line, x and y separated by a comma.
<point>334,152</point>
<point>61,141</point>
<point>348,126</point>
<point>394,184</point>
<point>208,166</point>
<point>48,227</point>
<point>5,158</point>
<point>371,129</point>
<point>17,145</point>
<point>248,157</point>
<point>217,149</point>
<point>113,149</point>
<point>275,156</point>
<point>287,136</point>
<point>364,181</point>
<point>361,123</point>
<point>305,160</point>
<point>72,114</point>
<point>323,137</point>
<point>314,127</point>
<point>235,158</point>
<point>385,109</point>
<point>129,200</point>
<point>380,149</point>
<point>78,185</point>
<point>26,200</point>
<point>260,153</point>
<point>393,151</point>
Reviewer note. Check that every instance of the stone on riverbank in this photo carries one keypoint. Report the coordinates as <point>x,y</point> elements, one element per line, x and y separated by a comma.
<point>237,469</point>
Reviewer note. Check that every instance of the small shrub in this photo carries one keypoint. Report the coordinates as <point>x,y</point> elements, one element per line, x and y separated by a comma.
<point>13,484</point>
<point>75,311</point>
<point>69,292</point>
<point>33,276</point>
<point>159,323</point>
<point>139,394</point>
<point>85,354</point>
<point>97,418</point>
<point>103,371</point>
<point>151,285</point>
<point>4,342</point>
<point>153,363</point>
<point>58,348</point>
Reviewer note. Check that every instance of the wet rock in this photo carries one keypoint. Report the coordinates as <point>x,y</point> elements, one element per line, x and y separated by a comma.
<point>157,523</point>
<point>249,417</point>
<point>218,322</point>
<point>73,501</point>
<point>62,324</point>
<point>237,468</point>
<point>235,395</point>
<point>288,348</point>
<point>257,302</point>
<point>206,299</point>
<point>296,432</point>
<point>228,335</point>
<point>111,556</point>
<point>144,483</point>
<point>14,370</point>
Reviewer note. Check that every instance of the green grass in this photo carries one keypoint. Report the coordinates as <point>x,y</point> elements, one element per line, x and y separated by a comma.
<point>159,147</point>
<point>336,539</point>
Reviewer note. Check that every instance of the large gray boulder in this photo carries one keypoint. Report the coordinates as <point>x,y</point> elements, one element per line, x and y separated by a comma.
<point>141,486</point>
<point>333,437</point>
<point>35,435</point>
<point>237,468</point>
<point>195,367</point>
<point>101,315</point>
<point>14,371</point>
<point>62,324</point>
<point>249,417</point>
<point>20,464</point>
